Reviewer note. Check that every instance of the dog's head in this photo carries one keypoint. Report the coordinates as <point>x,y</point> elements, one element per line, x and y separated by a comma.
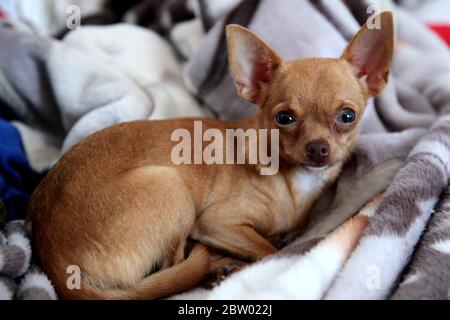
<point>316,103</point>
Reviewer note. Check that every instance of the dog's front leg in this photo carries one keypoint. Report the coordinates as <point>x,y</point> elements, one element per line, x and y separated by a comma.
<point>232,235</point>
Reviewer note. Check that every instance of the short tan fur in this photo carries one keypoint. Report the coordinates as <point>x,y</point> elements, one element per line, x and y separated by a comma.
<point>119,208</point>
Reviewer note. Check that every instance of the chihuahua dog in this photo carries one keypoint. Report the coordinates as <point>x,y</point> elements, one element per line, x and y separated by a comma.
<point>117,208</point>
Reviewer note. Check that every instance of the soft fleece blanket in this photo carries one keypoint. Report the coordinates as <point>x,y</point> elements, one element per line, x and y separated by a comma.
<point>381,232</point>
<point>20,278</point>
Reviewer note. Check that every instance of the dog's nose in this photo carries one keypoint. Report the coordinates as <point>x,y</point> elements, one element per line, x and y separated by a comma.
<point>318,151</point>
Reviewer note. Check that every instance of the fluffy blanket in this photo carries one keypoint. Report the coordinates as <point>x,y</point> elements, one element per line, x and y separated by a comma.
<point>18,279</point>
<point>381,232</point>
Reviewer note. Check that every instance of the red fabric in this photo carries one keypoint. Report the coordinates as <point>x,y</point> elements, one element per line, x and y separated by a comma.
<point>443,30</point>
<point>2,14</point>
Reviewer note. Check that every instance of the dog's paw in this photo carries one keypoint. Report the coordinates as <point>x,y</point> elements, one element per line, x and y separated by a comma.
<point>224,272</point>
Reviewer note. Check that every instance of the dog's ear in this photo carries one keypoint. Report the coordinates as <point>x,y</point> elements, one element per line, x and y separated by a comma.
<point>252,63</point>
<point>371,52</point>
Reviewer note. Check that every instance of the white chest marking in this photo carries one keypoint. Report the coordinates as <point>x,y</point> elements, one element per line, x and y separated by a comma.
<point>306,185</point>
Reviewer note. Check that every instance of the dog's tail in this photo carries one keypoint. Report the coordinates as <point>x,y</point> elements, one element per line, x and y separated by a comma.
<point>179,278</point>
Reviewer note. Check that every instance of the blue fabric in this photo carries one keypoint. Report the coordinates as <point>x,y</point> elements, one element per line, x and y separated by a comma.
<point>17,179</point>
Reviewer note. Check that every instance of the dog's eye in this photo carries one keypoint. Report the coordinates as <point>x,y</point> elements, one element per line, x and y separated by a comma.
<point>284,118</point>
<point>347,116</point>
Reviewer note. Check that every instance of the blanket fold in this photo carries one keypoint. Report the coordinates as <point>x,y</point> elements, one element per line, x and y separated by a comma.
<point>428,272</point>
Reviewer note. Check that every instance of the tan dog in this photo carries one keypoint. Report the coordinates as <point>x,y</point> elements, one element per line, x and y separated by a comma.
<point>118,207</point>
